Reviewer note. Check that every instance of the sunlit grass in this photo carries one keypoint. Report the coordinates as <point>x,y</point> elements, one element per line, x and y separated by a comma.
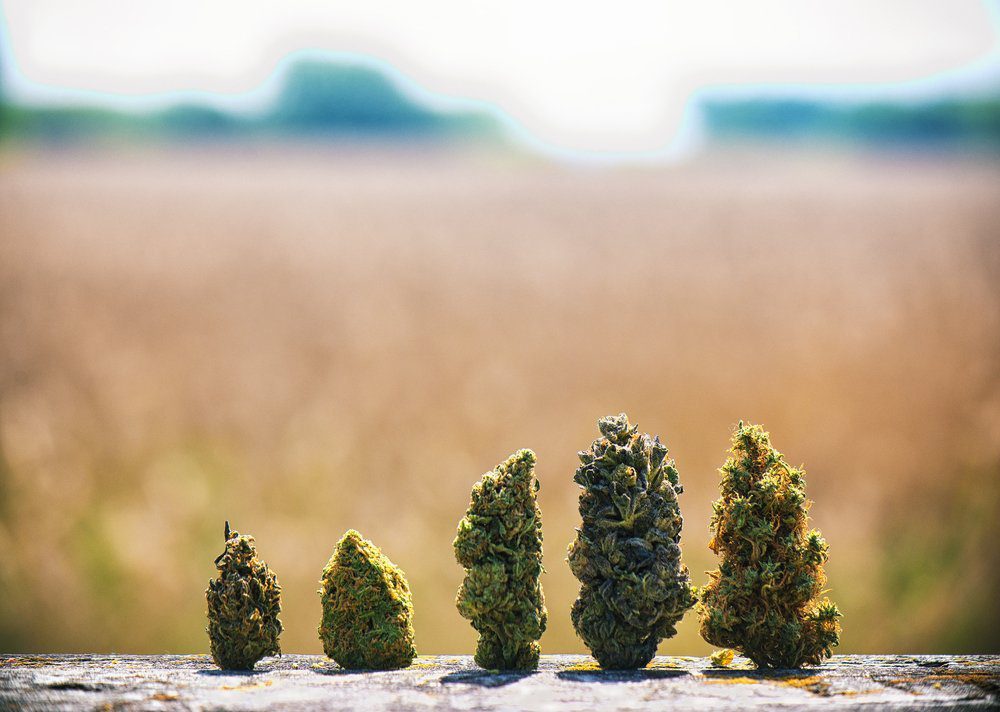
<point>308,343</point>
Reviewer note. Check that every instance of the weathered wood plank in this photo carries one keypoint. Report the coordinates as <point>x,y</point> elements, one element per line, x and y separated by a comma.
<point>564,682</point>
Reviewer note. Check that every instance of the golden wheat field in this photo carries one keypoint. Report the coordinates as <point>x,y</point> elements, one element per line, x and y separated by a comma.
<point>304,340</point>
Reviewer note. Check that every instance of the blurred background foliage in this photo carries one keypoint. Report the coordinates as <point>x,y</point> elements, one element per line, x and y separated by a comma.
<point>339,309</point>
<point>314,100</point>
<point>321,99</point>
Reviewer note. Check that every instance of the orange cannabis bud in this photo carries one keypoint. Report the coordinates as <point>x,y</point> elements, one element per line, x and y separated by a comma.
<point>243,606</point>
<point>763,600</point>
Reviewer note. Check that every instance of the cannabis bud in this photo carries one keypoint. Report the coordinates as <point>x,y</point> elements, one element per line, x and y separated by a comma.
<point>367,611</point>
<point>627,553</point>
<point>499,543</point>
<point>243,606</point>
<point>762,600</point>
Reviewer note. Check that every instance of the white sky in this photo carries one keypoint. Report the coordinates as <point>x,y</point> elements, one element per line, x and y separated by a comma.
<point>577,74</point>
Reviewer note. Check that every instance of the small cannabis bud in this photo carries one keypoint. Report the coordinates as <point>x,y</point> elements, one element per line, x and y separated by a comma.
<point>367,611</point>
<point>499,543</point>
<point>762,600</point>
<point>243,606</point>
<point>722,658</point>
<point>627,553</point>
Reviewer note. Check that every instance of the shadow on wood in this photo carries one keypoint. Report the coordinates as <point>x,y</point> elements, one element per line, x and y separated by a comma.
<point>615,676</point>
<point>486,678</point>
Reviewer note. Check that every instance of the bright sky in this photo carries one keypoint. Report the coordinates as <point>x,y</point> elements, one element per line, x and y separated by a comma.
<point>576,74</point>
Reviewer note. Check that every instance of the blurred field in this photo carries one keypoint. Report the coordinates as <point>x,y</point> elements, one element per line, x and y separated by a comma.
<point>305,340</point>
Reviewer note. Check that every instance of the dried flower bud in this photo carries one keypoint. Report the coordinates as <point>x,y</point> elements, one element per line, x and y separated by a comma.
<point>627,553</point>
<point>367,610</point>
<point>243,606</point>
<point>722,658</point>
<point>499,543</point>
<point>763,599</point>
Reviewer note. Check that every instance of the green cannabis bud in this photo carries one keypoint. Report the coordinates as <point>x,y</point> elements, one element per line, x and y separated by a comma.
<point>627,554</point>
<point>763,599</point>
<point>367,610</point>
<point>499,543</point>
<point>243,606</point>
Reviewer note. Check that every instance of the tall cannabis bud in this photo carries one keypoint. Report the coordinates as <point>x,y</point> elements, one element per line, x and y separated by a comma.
<point>243,606</point>
<point>763,600</point>
<point>367,611</point>
<point>499,543</point>
<point>627,553</point>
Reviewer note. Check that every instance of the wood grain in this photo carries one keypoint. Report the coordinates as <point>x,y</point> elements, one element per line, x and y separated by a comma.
<point>564,682</point>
